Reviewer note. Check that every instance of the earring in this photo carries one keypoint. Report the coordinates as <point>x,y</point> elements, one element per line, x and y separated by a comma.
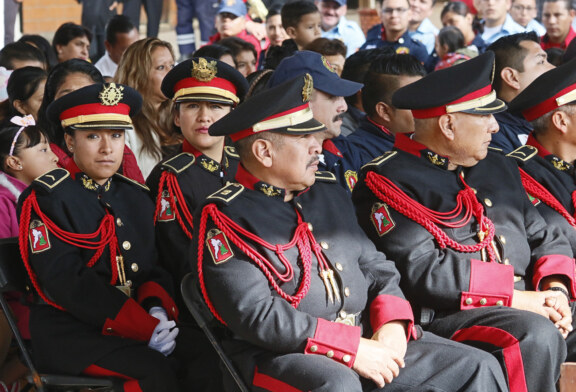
<point>20,167</point>
<point>70,148</point>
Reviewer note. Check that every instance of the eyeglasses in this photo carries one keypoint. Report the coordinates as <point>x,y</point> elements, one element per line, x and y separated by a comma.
<point>390,11</point>
<point>522,8</point>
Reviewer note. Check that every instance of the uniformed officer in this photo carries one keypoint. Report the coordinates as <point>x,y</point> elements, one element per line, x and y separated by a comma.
<point>203,90</point>
<point>308,302</point>
<point>87,241</point>
<point>477,261</point>
<point>547,160</point>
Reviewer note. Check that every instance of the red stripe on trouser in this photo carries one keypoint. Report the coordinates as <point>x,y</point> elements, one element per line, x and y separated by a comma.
<point>511,351</point>
<point>262,380</point>
<point>131,385</point>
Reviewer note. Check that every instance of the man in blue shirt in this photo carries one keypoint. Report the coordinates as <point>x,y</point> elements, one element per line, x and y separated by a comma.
<point>497,21</point>
<point>421,29</point>
<point>336,26</point>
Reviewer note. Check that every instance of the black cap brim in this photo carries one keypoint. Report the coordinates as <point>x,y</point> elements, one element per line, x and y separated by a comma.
<point>494,107</point>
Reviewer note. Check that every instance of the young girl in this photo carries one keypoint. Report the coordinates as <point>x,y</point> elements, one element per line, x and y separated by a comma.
<point>451,48</point>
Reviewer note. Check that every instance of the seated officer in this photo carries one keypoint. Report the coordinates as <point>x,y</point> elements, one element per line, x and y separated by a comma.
<point>87,240</point>
<point>547,160</point>
<point>274,268</point>
<point>477,261</point>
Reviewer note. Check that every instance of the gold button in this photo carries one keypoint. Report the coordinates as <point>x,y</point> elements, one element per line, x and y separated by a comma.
<point>324,245</point>
<point>119,222</point>
<point>173,309</point>
<point>474,190</point>
<point>314,349</point>
<point>346,358</point>
<point>502,239</point>
<point>488,202</point>
<point>126,245</point>
<point>299,205</point>
<point>500,303</point>
<point>462,174</point>
<point>134,267</point>
<point>129,283</point>
<point>310,227</point>
<point>468,301</point>
<point>506,261</point>
<point>330,354</point>
<point>483,301</point>
<point>347,291</point>
<point>109,330</point>
<point>343,314</point>
<point>339,267</point>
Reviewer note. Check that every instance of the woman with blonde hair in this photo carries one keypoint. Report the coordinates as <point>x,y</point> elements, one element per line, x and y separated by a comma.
<point>143,67</point>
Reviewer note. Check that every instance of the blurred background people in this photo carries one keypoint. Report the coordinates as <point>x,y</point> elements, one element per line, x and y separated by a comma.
<point>72,41</point>
<point>120,34</point>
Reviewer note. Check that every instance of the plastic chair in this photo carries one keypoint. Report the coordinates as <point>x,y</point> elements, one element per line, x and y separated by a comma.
<point>203,317</point>
<point>14,278</point>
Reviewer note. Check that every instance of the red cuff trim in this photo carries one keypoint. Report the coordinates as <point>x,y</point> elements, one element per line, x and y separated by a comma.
<point>490,284</point>
<point>132,322</point>
<point>554,265</point>
<point>153,289</point>
<point>337,341</point>
<point>386,308</point>
<point>269,383</point>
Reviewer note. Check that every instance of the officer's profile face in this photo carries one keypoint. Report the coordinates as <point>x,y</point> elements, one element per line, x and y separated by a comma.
<point>396,15</point>
<point>328,109</point>
<point>97,152</point>
<point>557,18</point>
<point>194,119</point>
<point>469,136</point>
<point>294,161</point>
<point>535,63</point>
<point>331,13</point>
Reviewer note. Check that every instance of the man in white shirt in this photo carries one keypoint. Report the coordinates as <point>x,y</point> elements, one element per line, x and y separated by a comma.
<point>497,21</point>
<point>335,24</point>
<point>120,34</point>
<point>421,29</point>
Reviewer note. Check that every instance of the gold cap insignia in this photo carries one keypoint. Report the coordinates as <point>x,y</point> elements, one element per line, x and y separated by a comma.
<point>328,65</point>
<point>307,89</point>
<point>203,70</point>
<point>111,95</point>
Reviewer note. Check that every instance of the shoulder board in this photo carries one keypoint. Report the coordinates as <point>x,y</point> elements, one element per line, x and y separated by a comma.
<point>380,160</point>
<point>231,152</point>
<point>131,181</point>
<point>524,153</point>
<point>227,193</point>
<point>50,180</point>
<point>325,176</point>
<point>179,163</point>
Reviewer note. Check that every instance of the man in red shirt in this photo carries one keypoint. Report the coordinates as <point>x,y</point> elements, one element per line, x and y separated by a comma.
<point>557,16</point>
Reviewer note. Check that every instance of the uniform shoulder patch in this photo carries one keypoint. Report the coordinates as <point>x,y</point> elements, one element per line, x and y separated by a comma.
<point>227,193</point>
<point>231,152</point>
<point>524,153</point>
<point>52,179</point>
<point>325,176</point>
<point>131,181</point>
<point>179,163</point>
<point>379,161</point>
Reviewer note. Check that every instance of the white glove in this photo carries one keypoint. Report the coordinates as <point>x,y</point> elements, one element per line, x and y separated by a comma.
<point>163,338</point>
<point>158,312</point>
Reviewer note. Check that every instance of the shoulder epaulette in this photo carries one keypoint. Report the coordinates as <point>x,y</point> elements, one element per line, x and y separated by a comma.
<point>179,163</point>
<point>325,176</point>
<point>131,181</point>
<point>524,153</point>
<point>380,160</point>
<point>231,152</point>
<point>50,180</point>
<point>227,193</point>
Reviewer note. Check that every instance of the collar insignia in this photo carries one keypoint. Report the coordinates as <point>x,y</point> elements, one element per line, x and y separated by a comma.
<point>91,185</point>
<point>560,164</point>
<point>328,66</point>
<point>308,88</point>
<point>436,159</point>
<point>203,70</point>
<point>209,164</point>
<point>351,178</point>
<point>270,190</point>
<point>111,95</point>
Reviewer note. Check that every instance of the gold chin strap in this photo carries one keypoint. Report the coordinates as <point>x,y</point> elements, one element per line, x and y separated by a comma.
<point>86,118</point>
<point>473,104</point>
<point>295,118</point>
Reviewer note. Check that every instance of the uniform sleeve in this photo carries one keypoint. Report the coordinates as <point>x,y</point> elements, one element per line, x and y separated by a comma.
<point>241,295</point>
<point>64,277</point>
<point>433,277</point>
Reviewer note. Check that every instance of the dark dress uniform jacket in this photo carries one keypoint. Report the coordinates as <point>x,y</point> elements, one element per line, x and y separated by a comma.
<point>197,177</point>
<point>260,319</point>
<point>98,318</point>
<point>371,140</point>
<point>557,176</point>
<point>447,280</point>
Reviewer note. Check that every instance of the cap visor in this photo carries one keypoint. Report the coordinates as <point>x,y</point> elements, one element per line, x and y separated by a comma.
<point>102,125</point>
<point>337,87</point>
<point>496,106</point>
<point>204,98</point>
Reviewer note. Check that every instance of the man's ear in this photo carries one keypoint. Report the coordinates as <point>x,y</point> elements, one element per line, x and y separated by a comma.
<point>384,111</point>
<point>561,121</point>
<point>510,77</point>
<point>446,124</point>
<point>262,152</point>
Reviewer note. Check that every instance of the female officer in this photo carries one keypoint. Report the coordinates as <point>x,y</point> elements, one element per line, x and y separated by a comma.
<point>203,91</point>
<point>87,240</point>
